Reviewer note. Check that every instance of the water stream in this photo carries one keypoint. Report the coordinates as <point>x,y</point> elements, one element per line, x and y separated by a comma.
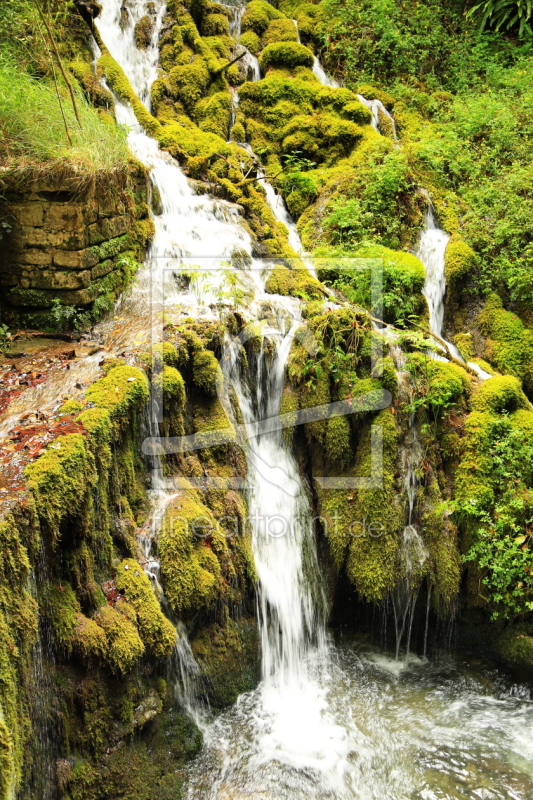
<point>328,720</point>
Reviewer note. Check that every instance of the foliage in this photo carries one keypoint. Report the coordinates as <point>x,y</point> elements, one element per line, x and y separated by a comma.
<point>32,130</point>
<point>504,534</point>
<point>503,15</point>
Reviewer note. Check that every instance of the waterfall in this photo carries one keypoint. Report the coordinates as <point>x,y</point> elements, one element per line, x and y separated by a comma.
<point>431,251</point>
<point>376,108</point>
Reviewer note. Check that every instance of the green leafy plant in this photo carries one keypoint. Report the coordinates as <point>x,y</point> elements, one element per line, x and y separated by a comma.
<point>503,540</point>
<point>5,338</point>
<point>504,15</point>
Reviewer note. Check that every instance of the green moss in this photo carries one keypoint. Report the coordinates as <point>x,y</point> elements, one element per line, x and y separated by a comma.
<point>463,342</point>
<point>119,82</point>
<point>257,16</point>
<point>372,93</point>
<point>228,656</point>
<point>124,645</point>
<point>280,30</point>
<point>122,389</point>
<point>89,640</point>
<point>215,25</point>
<point>503,393</point>
<point>357,112</point>
<point>71,407</point>
<point>460,261</point>
<point>214,113</point>
<point>60,479</point>
<point>515,647</point>
<point>156,631</point>
<point>286,54</point>
<point>297,282</point>
<point>189,566</point>
<point>251,40</point>
<point>206,372</point>
<point>509,345</point>
<point>18,632</point>
<point>143,32</point>
<point>338,443</point>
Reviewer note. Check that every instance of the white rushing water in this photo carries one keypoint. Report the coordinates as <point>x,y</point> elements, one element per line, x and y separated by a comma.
<point>325,723</point>
<point>432,251</point>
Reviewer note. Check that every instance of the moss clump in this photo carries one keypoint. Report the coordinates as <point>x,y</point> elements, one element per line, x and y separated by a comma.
<point>286,54</point>
<point>188,543</point>
<point>156,631</point>
<point>280,30</point>
<point>18,632</point>
<point>503,393</point>
<point>372,93</point>
<point>71,407</point>
<point>251,40</point>
<point>515,647</point>
<point>258,15</point>
<point>124,645</point>
<point>89,640</point>
<point>297,282</point>
<point>464,343</point>
<point>213,113</point>
<point>60,478</point>
<point>206,372</point>
<point>144,29</point>
<point>122,389</point>
<point>509,344</point>
<point>459,261</point>
<point>228,657</point>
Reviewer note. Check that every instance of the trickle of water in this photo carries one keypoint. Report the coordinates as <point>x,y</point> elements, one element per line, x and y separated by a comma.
<point>430,251</point>
<point>376,108</point>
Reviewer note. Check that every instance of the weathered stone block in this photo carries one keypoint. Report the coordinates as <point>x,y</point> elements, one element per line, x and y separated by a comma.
<point>64,216</point>
<point>75,259</point>
<point>34,256</point>
<point>107,229</point>
<point>28,214</point>
<point>54,279</point>
<point>103,268</point>
<point>110,248</point>
<point>41,237</point>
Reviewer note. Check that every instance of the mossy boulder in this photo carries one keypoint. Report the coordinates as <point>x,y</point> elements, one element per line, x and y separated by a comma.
<point>515,647</point>
<point>509,344</point>
<point>206,372</point>
<point>60,479</point>
<point>124,645</point>
<point>498,394</point>
<point>459,261</point>
<point>258,15</point>
<point>156,631</point>
<point>190,568</point>
<point>280,30</point>
<point>286,54</point>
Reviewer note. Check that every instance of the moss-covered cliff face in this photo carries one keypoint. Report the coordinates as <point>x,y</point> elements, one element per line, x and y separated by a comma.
<point>91,617</point>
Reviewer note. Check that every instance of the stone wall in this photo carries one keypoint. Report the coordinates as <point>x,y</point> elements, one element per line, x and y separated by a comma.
<point>69,243</point>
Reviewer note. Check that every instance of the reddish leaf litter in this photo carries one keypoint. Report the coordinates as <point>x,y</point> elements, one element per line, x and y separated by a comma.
<point>32,358</point>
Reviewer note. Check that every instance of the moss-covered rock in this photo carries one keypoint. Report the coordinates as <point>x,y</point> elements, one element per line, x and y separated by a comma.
<point>156,631</point>
<point>459,261</point>
<point>124,645</point>
<point>288,54</point>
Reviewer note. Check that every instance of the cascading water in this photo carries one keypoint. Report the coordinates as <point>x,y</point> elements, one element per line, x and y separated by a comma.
<point>431,252</point>
<point>376,108</point>
<point>357,725</point>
